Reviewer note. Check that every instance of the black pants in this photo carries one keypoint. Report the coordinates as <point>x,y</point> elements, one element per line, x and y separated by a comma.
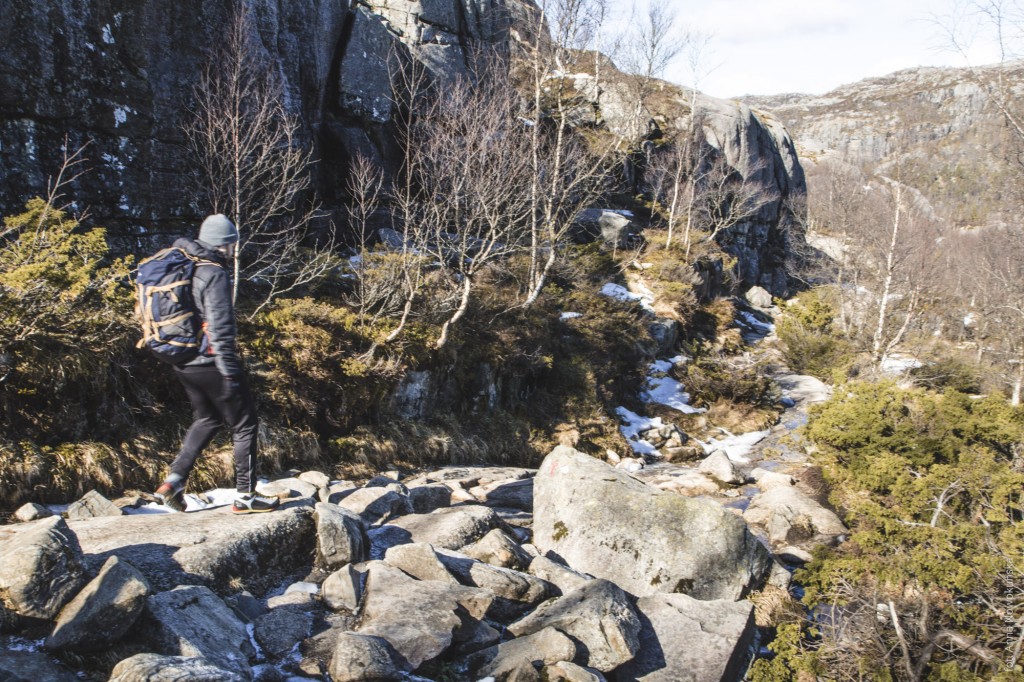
<point>209,413</point>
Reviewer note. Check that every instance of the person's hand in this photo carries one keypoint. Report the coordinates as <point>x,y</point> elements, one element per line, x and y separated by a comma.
<point>231,390</point>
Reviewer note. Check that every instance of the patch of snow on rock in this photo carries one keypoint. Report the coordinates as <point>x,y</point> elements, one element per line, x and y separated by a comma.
<point>665,390</point>
<point>217,497</point>
<point>757,324</point>
<point>738,448</point>
<point>621,293</point>
<point>634,424</point>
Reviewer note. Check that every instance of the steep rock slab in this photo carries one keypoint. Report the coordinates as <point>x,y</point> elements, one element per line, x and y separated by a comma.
<point>92,504</point>
<point>516,591</point>
<point>419,618</point>
<point>498,549</point>
<point>598,616</point>
<point>686,639</point>
<point>419,560</point>
<point>193,622</point>
<point>513,494</point>
<point>156,668</point>
<point>31,511</point>
<point>279,631</point>
<point>103,611</point>
<point>565,671</point>
<point>606,523</point>
<point>562,577</point>
<point>41,566</point>
<point>213,547</point>
<point>428,497</point>
<point>343,589</point>
<point>376,505</point>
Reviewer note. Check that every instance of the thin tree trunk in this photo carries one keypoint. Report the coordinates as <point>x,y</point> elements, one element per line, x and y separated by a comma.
<point>890,267</point>
<point>1018,383</point>
<point>467,286</point>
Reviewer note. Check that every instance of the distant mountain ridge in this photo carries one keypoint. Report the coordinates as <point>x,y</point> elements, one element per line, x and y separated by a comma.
<point>938,128</point>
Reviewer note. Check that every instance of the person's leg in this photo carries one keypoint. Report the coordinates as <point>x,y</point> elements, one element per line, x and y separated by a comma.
<point>203,386</point>
<point>244,422</point>
<point>241,415</point>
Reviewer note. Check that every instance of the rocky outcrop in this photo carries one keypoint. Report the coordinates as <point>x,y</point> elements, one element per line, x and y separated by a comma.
<point>602,521</point>
<point>940,126</point>
<point>753,144</point>
<point>121,79</point>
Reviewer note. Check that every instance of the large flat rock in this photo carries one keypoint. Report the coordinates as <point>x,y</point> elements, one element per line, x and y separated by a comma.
<point>212,547</point>
<point>606,523</point>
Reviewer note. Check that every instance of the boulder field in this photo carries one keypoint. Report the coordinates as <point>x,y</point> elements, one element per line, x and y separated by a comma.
<point>575,571</point>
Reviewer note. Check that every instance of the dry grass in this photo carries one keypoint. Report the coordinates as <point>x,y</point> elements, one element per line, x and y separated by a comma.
<point>774,605</point>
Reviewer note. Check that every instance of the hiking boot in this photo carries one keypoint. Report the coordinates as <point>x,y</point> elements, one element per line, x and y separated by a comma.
<point>254,504</point>
<point>170,494</point>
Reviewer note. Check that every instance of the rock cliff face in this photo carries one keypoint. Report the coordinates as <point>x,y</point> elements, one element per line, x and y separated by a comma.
<point>119,76</point>
<point>753,143</point>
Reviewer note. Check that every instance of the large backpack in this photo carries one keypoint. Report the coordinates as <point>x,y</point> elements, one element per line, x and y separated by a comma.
<point>171,327</point>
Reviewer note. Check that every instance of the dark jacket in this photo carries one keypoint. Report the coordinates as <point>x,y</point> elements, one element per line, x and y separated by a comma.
<point>211,289</point>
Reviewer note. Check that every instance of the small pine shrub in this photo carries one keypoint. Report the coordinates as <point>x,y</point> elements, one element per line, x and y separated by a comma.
<point>809,342</point>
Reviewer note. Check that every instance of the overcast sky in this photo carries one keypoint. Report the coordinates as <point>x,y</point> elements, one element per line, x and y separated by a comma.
<point>766,47</point>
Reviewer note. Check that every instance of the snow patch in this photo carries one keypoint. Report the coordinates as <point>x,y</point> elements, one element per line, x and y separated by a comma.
<point>632,428</point>
<point>621,293</point>
<point>149,508</point>
<point>217,497</point>
<point>665,390</point>
<point>569,316</point>
<point>738,448</point>
<point>15,643</point>
<point>108,37</point>
<point>120,116</point>
<point>752,321</point>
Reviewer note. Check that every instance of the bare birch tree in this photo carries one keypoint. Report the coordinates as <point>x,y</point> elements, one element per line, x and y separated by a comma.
<point>254,166</point>
<point>565,174</point>
<point>463,201</point>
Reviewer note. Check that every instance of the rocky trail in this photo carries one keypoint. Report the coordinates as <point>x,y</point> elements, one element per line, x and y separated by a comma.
<point>576,571</point>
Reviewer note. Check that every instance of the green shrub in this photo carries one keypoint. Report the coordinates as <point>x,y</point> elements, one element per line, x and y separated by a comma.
<point>66,325</point>
<point>809,342</point>
<point>927,484</point>
<point>948,372</point>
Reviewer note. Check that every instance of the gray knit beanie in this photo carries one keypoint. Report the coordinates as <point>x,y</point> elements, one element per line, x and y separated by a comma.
<point>218,230</point>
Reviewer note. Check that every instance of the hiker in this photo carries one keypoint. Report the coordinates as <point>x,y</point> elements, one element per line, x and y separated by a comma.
<point>215,380</point>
